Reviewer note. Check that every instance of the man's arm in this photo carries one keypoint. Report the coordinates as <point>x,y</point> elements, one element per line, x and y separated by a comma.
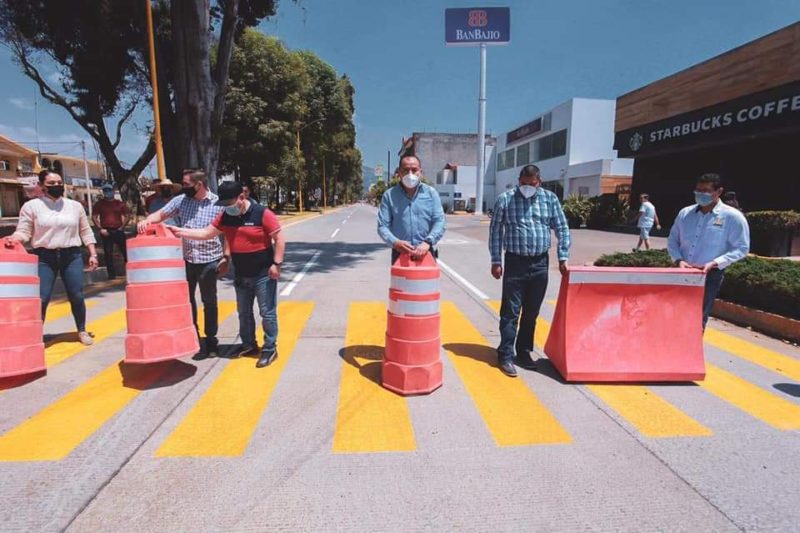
<point>738,240</point>
<point>125,215</point>
<point>674,240</point>
<point>558,222</point>
<point>496,231</point>
<point>439,221</point>
<point>161,215</point>
<point>202,234</point>
<point>385,220</point>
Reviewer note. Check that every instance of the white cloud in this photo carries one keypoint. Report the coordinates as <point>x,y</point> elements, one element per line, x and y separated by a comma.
<point>21,103</point>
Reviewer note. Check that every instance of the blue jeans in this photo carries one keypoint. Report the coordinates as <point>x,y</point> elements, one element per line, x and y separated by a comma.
<point>265,290</point>
<point>713,283</point>
<point>68,262</point>
<point>524,287</point>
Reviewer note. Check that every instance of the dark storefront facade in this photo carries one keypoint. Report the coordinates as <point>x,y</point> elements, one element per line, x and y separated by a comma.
<point>737,115</point>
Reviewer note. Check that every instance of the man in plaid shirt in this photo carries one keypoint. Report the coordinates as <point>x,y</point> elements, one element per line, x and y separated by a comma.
<point>196,208</point>
<point>521,224</point>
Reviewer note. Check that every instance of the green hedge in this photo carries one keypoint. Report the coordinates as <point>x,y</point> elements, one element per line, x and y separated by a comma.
<point>773,220</point>
<point>771,285</point>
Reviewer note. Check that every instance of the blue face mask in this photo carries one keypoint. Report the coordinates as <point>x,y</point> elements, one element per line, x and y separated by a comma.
<point>233,210</point>
<point>703,199</point>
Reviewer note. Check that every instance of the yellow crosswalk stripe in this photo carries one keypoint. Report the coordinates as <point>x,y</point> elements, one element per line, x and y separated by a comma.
<point>512,412</point>
<point>753,400</point>
<point>224,310</point>
<point>222,422</point>
<point>645,410</point>
<point>58,429</point>
<point>57,311</point>
<point>369,418</point>
<point>764,357</point>
<point>65,346</point>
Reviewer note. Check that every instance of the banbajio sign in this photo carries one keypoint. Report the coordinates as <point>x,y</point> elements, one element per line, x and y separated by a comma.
<point>475,25</point>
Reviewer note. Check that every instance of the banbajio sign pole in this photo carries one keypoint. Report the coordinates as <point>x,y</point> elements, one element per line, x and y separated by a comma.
<point>478,26</point>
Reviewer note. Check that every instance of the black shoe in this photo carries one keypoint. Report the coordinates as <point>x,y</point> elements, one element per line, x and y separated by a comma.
<point>200,356</point>
<point>525,361</point>
<point>508,369</point>
<point>247,350</point>
<point>266,359</point>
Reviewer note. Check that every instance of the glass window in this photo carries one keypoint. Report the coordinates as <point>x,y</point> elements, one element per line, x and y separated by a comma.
<point>523,154</point>
<point>553,145</point>
<point>505,160</point>
<point>559,143</point>
<point>546,147</point>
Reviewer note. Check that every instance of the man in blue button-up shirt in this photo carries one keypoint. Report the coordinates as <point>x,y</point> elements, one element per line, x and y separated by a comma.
<point>521,224</point>
<point>411,218</point>
<point>709,235</point>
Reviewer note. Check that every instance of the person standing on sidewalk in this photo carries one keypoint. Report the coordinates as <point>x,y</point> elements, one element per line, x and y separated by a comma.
<point>56,226</point>
<point>196,208</point>
<point>257,247</point>
<point>709,236</point>
<point>411,218</point>
<point>521,224</point>
<point>644,221</point>
<point>110,216</point>
<point>165,190</point>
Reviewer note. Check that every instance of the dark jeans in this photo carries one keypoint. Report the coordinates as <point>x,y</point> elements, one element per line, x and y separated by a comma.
<point>115,236</point>
<point>265,290</point>
<point>713,283</point>
<point>524,286</point>
<point>67,262</point>
<point>395,254</point>
<point>205,275</point>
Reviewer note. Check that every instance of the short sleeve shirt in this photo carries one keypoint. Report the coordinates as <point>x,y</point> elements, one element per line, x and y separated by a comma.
<point>110,213</point>
<point>250,238</point>
<point>648,217</point>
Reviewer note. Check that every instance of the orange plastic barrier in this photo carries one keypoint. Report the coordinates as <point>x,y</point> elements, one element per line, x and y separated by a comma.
<point>21,331</point>
<point>412,362</point>
<point>159,314</point>
<point>628,324</point>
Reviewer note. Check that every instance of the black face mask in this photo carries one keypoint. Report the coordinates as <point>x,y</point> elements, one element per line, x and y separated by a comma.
<point>56,191</point>
<point>166,193</point>
<point>189,191</point>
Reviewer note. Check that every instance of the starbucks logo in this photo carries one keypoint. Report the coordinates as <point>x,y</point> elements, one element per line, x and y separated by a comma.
<point>636,142</point>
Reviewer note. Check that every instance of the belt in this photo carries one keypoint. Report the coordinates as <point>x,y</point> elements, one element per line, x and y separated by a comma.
<point>528,256</point>
<point>58,250</point>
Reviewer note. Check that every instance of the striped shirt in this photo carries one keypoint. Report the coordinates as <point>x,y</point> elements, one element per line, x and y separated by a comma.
<point>196,214</point>
<point>522,225</point>
<point>53,224</point>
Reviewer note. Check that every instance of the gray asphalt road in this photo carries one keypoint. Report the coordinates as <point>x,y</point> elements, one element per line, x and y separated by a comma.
<point>314,443</point>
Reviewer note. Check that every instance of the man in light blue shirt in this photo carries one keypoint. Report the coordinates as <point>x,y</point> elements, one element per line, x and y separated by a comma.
<point>709,236</point>
<point>646,218</point>
<point>410,217</point>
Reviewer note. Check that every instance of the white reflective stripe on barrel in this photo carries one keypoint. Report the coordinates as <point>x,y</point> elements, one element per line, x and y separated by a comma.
<point>19,269</point>
<point>153,275</point>
<point>636,278</point>
<point>409,308</point>
<point>19,290</point>
<point>415,286</point>
<point>154,253</point>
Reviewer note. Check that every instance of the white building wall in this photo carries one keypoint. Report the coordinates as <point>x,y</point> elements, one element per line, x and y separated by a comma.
<point>592,132</point>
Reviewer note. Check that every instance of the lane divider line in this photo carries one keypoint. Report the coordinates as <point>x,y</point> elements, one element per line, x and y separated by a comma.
<point>458,277</point>
<point>300,275</point>
<point>335,232</point>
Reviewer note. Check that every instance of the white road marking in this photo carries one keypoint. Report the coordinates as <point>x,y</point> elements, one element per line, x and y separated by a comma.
<point>335,232</point>
<point>300,275</point>
<point>460,279</point>
<point>344,221</point>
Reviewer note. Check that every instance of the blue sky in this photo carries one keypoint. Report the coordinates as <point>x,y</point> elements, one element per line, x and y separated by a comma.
<point>407,80</point>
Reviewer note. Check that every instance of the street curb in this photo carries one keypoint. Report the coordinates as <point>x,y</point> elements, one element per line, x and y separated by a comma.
<point>771,324</point>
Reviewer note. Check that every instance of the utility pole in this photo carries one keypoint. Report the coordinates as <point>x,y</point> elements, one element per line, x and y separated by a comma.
<point>324,186</point>
<point>299,175</point>
<point>481,133</point>
<point>388,165</point>
<point>162,173</point>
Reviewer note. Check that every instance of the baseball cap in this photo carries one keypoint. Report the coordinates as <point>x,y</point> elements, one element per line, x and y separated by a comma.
<point>107,187</point>
<point>227,191</point>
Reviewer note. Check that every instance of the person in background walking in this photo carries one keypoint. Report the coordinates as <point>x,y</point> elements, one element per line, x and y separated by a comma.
<point>253,233</point>
<point>645,219</point>
<point>730,198</point>
<point>710,236</point>
<point>196,208</point>
<point>56,226</point>
<point>248,187</point>
<point>521,222</point>
<point>410,218</point>
<point>110,216</point>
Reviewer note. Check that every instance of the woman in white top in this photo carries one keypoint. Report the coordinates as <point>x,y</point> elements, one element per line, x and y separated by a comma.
<point>56,226</point>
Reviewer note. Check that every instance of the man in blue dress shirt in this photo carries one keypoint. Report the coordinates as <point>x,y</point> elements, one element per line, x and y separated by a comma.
<point>709,236</point>
<point>521,224</point>
<point>410,217</point>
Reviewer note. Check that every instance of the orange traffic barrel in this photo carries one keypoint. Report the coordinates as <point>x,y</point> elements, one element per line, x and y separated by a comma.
<point>160,325</point>
<point>412,361</point>
<point>21,330</point>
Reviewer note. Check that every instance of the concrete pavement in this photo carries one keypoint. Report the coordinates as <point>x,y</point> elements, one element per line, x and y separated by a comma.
<point>314,443</point>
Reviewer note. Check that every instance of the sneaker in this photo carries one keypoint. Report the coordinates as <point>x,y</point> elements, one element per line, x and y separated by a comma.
<point>85,338</point>
<point>247,350</point>
<point>266,359</point>
<point>508,369</point>
<point>524,360</point>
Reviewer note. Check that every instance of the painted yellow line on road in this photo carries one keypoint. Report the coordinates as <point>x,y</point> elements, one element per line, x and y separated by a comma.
<point>753,400</point>
<point>58,429</point>
<point>369,418</point>
<point>224,310</point>
<point>57,311</point>
<point>646,411</point>
<point>512,412</point>
<point>222,422</point>
<point>764,357</point>
<point>65,346</point>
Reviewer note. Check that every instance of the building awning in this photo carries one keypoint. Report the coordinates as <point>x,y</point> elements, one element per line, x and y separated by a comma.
<point>9,147</point>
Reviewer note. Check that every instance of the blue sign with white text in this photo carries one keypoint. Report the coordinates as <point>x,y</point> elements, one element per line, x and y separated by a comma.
<point>475,25</point>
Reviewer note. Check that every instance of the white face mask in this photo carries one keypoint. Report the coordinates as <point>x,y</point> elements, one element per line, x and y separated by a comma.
<point>410,180</point>
<point>528,190</point>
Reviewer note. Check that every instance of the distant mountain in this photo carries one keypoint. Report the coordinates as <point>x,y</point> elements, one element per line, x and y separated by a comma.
<point>368,177</point>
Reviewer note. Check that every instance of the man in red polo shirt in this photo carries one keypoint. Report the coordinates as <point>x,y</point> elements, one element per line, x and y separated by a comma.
<point>257,246</point>
<point>110,216</point>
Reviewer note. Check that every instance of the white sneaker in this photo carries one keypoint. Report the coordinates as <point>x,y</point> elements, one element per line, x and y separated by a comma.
<point>85,338</point>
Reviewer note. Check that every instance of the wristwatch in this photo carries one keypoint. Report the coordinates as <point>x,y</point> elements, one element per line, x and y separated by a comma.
<point>277,264</point>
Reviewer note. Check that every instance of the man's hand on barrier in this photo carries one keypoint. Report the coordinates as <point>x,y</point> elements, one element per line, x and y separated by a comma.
<point>420,251</point>
<point>708,267</point>
<point>403,247</point>
<point>563,267</point>
<point>497,271</point>
<point>11,241</point>
<point>141,227</point>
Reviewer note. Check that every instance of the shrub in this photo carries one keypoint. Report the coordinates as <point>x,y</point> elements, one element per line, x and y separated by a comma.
<point>645,259</point>
<point>771,231</point>
<point>607,210</point>
<point>577,210</point>
<point>773,220</point>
